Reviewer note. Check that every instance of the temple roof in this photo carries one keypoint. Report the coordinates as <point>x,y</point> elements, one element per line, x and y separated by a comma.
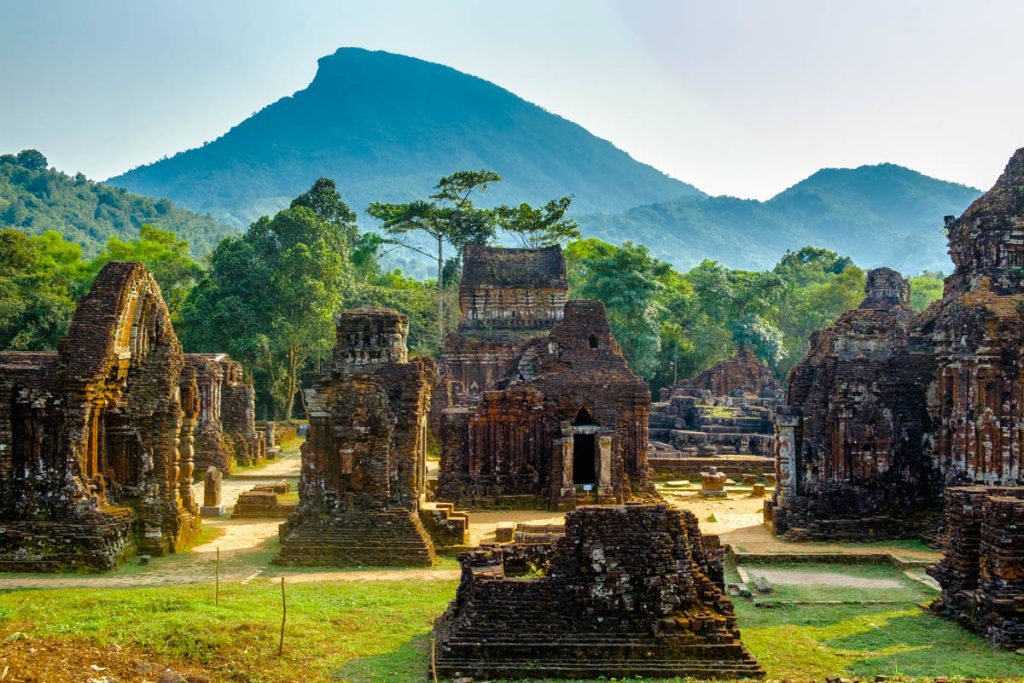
<point>513,268</point>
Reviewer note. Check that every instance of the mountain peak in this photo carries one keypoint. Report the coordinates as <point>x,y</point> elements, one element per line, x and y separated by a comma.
<point>386,127</point>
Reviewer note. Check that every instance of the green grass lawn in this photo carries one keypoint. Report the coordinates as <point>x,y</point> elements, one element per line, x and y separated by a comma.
<point>371,632</point>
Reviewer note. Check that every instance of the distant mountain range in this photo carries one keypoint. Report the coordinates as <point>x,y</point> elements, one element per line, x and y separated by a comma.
<point>386,127</point>
<point>878,215</point>
<point>36,199</point>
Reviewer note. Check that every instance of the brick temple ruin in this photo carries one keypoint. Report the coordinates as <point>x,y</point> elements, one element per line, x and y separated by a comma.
<point>96,454</point>
<point>888,408</point>
<point>851,436</point>
<point>628,591</point>
<point>507,297</point>
<point>364,458</point>
<point>226,431</point>
<point>568,419</point>
<point>982,570</point>
<point>722,417</point>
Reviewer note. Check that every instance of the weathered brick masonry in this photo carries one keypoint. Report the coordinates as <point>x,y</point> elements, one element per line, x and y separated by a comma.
<point>363,462</point>
<point>96,454</point>
<point>569,414</point>
<point>628,591</point>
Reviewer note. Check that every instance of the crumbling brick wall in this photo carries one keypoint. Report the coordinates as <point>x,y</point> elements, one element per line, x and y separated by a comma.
<point>226,431</point>
<point>626,592</point>
<point>96,440</point>
<point>742,374</point>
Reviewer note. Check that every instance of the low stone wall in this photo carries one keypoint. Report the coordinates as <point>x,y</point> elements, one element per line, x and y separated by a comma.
<point>393,538</point>
<point>93,542</point>
<point>732,466</point>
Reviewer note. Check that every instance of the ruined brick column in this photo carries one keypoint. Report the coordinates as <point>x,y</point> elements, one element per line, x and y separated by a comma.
<point>363,462</point>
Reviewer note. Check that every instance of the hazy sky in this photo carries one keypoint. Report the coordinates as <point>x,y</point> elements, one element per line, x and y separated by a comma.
<point>741,98</point>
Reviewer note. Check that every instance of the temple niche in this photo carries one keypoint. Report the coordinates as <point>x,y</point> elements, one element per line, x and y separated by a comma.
<point>364,459</point>
<point>568,419</point>
<point>96,439</point>
<point>628,591</point>
<point>853,446</point>
<point>226,432</point>
<point>978,333</point>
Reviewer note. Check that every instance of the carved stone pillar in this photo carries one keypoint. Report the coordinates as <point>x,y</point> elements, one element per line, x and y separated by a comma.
<point>605,491</point>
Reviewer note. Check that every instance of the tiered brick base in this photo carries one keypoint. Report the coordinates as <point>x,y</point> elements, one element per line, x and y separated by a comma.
<point>982,571</point>
<point>93,542</point>
<point>353,539</point>
<point>627,592</point>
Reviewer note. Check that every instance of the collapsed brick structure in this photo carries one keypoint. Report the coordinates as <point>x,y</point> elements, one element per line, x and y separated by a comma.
<point>850,451</point>
<point>363,462</point>
<point>96,454</point>
<point>982,570</point>
<point>722,418</point>
<point>568,414</point>
<point>628,591</point>
<point>741,375</point>
<point>226,432</point>
<point>887,408</point>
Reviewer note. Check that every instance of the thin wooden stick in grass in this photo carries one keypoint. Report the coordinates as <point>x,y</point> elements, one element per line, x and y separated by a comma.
<point>216,593</point>
<point>433,658</point>
<point>284,615</point>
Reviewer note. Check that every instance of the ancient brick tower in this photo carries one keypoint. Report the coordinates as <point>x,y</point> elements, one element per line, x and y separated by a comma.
<point>628,591</point>
<point>851,455</point>
<point>978,333</point>
<point>568,417</point>
<point>506,298</point>
<point>96,439</point>
<point>363,462</point>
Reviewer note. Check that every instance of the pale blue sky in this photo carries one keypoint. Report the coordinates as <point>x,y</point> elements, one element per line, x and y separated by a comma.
<point>741,98</point>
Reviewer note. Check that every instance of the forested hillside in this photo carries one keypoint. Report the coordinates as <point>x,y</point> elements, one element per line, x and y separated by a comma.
<point>385,127</point>
<point>36,199</point>
<point>883,215</point>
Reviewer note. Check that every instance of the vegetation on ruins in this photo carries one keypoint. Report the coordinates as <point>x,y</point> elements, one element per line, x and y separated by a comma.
<point>36,200</point>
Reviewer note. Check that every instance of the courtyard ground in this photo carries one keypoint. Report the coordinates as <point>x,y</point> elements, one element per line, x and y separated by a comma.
<point>824,617</point>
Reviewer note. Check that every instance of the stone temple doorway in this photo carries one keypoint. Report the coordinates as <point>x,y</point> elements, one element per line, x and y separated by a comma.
<point>584,449</point>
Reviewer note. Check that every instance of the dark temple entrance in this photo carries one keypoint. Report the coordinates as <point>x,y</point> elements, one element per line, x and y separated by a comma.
<point>584,449</point>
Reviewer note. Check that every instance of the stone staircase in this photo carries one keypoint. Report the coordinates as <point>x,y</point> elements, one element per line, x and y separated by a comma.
<point>391,538</point>
<point>447,526</point>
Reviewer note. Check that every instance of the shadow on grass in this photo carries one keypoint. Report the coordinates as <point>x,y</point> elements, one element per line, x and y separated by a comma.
<point>410,662</point>
<point>917,643</point>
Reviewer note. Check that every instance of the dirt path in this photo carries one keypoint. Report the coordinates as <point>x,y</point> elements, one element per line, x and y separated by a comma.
<point>796,577</point>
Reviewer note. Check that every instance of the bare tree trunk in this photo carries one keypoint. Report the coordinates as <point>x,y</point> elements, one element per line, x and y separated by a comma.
<point>440,292</point>
<point>293,369</point>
